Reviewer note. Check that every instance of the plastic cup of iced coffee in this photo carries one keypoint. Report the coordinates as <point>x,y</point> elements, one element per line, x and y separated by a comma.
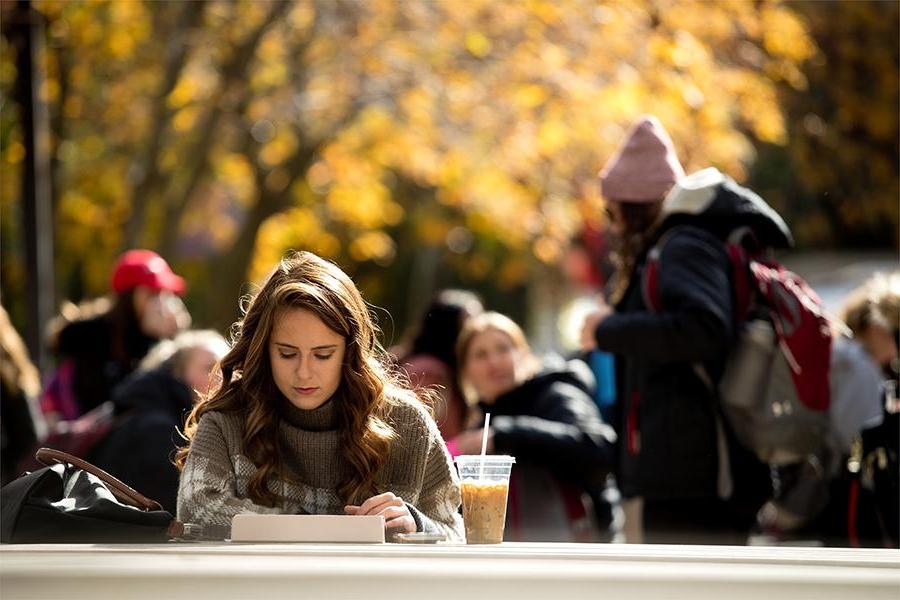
<point>485,485</point>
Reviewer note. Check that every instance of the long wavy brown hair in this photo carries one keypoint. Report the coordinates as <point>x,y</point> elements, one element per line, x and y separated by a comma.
<point>369,386</point>
<point>639,223</point>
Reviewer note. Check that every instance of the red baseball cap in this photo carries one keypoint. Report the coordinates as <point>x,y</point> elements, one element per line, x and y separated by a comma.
<point>147,268</point>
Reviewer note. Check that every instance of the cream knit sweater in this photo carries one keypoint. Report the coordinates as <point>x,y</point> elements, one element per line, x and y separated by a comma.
<point>213,486</point>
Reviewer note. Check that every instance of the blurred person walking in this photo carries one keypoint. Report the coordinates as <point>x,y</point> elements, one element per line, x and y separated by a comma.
<point>865,420</point>
<point>543,415</point>
<point>151,406</point>
<point>100,343</point>
<point>864,358</point>
<point>674,457</point>
<point>430,362</point>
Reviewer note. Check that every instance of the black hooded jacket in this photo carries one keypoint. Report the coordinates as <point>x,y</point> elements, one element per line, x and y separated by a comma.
<point>151,408</point>
<point>562,448</point>
<point>666,413</point>
<point>551,421</point>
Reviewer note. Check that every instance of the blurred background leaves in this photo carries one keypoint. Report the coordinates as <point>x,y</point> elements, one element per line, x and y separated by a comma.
<point>431,143</point>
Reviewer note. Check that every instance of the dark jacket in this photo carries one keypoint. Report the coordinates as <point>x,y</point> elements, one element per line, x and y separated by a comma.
<point>552,427</point>
<point>666,414</point>
<point>151,408</point>
<point>551,421</point>
<point>98,366</point>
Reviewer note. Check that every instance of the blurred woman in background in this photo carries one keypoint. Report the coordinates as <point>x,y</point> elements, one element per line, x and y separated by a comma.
<point>544,415</point>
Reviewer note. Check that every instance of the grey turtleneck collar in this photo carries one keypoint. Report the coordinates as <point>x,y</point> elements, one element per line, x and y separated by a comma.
<point>322,418</point>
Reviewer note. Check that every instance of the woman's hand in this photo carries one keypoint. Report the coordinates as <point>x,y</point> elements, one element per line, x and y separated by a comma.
<point>397,518</point>
<point>591,321</point>
<point>469,442</point>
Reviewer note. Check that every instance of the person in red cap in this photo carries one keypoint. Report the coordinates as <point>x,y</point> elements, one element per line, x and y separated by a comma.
<point>672,466</point>
<point>101,342</point>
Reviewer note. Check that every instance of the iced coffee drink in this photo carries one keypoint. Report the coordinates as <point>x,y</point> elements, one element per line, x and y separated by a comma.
<point>484,487</point>
<point>484,511</point>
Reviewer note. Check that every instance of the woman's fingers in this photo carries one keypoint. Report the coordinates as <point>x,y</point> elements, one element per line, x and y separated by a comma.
<point>366,507</point>
<point>397,518</point>
<point>401,525</point>
<point>376,504</point>
<point>351,509</point>
<point>393,512</point>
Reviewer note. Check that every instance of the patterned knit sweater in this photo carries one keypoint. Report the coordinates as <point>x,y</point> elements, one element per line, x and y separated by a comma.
<point>213,485</point>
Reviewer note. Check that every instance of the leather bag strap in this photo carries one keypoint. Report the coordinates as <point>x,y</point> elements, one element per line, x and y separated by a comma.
<point>123,493</point>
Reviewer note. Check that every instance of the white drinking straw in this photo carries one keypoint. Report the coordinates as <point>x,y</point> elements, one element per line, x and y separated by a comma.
<point>487,423</point>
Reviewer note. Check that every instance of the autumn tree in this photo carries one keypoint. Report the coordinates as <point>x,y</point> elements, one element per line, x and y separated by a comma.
<point>837,180</point>
<point>417,143</point>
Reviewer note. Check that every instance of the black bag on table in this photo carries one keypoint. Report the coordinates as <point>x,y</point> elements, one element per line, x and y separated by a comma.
<point>73,501</point>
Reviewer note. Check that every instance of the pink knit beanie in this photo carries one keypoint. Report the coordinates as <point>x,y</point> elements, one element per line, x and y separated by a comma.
<point>645,167</point>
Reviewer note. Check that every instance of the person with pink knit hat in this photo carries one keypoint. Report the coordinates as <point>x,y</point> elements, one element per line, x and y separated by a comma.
<point>634,183</point>
<point>668,467</point>
<point>644,168</point>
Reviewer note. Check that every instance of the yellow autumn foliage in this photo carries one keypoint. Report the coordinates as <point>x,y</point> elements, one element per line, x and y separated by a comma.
<point>366,129</point>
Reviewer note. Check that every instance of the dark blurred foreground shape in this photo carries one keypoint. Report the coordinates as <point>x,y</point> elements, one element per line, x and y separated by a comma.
<point>21,422</point>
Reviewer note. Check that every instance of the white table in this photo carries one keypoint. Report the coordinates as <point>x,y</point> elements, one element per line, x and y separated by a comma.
<point>519,571</point>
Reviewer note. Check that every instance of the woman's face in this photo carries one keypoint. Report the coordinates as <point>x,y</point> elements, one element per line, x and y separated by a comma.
<point>306,358</point>
<point>161,314</point>
<point>491,364</point>
<point>197,369</point>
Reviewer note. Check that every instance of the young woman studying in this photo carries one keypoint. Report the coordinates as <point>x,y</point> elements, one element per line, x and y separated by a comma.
<point>311,420</point>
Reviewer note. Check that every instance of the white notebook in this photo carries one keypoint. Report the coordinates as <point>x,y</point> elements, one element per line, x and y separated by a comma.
<point>308,528</point>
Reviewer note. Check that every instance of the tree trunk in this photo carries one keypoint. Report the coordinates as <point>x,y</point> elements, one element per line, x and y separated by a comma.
<point>230,275</point>
<point>149,178</point>
<point>37,212</point>
<point>177,197</point>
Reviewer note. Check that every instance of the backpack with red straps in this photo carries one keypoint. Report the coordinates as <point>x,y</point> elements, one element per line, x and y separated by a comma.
<point>774,392</point>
